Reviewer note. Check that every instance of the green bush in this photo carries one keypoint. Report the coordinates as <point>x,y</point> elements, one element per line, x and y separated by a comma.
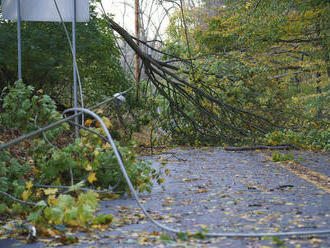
<point>25,111</point>
<point>46,161</point>
<point>310,138</point>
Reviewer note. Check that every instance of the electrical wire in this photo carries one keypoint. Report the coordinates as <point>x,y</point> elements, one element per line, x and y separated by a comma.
<point>57,123</point>
<point>75,61</point>
<point>133,192</point>
<point>164,227</point>
<point>117,43</point>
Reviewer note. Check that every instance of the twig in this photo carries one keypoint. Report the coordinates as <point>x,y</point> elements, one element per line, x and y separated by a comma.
<point>17,200</point>
<point>261,147</point>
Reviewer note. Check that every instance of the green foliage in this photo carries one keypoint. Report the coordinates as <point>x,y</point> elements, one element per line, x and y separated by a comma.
<point>314,138</point>
<point>47,59</point>
<point>67,210</point>
<point>267,57</point>
<point>25,110</point>
<point>280,157</point>
<point>76,212</point>
<point>50,160</point>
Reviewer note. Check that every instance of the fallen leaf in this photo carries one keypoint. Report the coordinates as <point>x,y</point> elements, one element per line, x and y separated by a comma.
<point>88,122</point>
<point>91,178</point>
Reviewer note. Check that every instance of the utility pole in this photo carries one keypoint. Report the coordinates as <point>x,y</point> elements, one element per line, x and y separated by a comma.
<point>137,60</point>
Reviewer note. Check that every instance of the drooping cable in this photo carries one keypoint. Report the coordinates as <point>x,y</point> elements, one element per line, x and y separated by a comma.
<point>164,227</point>
<point>75,61</point>
<point>117,43</point>
<point>57,123</point>
<point>122,167</point>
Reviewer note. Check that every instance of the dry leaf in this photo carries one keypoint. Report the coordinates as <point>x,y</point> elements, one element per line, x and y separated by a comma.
<point>91,178</point>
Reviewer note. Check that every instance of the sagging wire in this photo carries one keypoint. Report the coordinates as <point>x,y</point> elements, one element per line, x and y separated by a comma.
<point>117,43</point>
<point>164,227</point>
<point>70,188</point>
<point>133,192</point>
<point>50,126</point>
<point>110,188</point>
<point>54,124</point>
<point>17,200</point>
<point>75,61</point>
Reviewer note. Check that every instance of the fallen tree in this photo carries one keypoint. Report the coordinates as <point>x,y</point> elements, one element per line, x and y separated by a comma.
<point>182,85</point>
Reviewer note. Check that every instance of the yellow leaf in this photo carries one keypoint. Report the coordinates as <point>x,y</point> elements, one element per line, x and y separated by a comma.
<point>96,153</point>
<point>107,122</point>
<point>50,191</point>
<point>88,122</point>
<point>35,170</point>
<point>89,167</point>
<point>98,124</point>
<point>52,200</point>
<point>39,193</point>
<point>99,111</point>
<point>91,178</point>
<point>25,195</point>
<point>167,172</point>
<point>29,185</point>
<point>106,147</point>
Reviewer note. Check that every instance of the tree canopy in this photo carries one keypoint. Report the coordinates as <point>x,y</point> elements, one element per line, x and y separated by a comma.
<point>47,58</point>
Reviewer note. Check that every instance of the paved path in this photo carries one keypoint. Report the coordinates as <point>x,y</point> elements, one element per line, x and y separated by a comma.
<point>222,191</point>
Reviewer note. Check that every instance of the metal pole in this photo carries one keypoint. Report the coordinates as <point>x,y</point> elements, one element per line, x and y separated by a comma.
<point>75,91</point>
<point>19,44</point>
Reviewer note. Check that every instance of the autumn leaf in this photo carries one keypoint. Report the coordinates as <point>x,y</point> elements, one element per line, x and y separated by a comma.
<point>25,195</point>
<point>107,122</point>
<point>96,153</point>
<point>29,185</point>
<point>50,191</point>
<point>91,178</point>
<point>88,122</point>
<point>88,168</point>
<point>106,147</point>
<point>52,200</point>
<point>99,111</point>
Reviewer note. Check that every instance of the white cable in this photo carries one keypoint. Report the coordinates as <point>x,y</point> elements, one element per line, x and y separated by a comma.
<point>75,61</point>
<point>162,226</point>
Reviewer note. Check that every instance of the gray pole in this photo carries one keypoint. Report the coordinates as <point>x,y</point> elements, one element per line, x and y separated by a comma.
<point>19,47</point>
<point>75,92</point>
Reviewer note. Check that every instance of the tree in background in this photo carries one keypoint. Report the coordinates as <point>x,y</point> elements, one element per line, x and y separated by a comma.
<point>47,59</point>
<point>269,57</point>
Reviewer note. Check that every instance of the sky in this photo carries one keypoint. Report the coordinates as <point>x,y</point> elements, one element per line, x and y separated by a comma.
<point>125,16</point>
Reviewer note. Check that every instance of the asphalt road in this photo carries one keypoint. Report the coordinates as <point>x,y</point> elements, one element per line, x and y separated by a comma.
<point>219,191</point>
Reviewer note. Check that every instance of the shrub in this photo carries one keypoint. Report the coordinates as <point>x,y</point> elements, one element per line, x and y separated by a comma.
<point>88,161</point>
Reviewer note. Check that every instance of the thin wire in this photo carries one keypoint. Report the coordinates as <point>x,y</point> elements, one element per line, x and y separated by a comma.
<point>122,167</point>
<point>164,227</point>
<point>117,43</point>
<point>52,125</point>
<point>75,61</point>
<point>17,200</point>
